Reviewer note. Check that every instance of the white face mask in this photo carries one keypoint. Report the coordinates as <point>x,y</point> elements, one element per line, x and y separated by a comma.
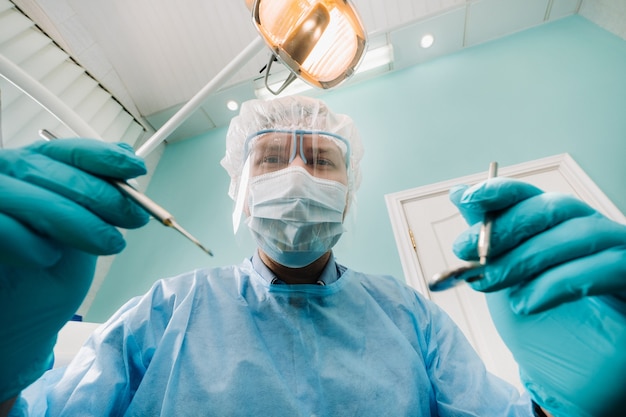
<point>294,216</point>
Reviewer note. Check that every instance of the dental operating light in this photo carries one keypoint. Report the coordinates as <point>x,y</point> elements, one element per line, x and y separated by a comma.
<point>319,41</point>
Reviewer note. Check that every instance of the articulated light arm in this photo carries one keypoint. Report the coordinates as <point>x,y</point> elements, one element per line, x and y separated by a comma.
<point>320,41</point>
<point>42,95</point>
<point>196,101</point>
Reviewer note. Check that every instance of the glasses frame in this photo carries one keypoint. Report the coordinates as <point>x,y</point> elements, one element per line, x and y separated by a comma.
<point>298,133</point>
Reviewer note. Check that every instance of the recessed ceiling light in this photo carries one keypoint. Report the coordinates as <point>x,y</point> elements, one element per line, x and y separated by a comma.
<point>232,105</point>
<point>427,41</point>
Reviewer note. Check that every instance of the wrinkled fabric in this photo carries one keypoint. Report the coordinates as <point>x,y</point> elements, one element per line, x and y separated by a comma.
<point>225,342</point>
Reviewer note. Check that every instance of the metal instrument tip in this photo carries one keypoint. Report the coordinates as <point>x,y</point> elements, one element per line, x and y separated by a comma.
<point>172,223</point>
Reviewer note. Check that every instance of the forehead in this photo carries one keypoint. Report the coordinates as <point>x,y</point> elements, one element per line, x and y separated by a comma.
<point>309,140</point>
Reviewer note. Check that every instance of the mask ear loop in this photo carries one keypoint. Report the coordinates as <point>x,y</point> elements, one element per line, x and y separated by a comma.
<point>242,191</point>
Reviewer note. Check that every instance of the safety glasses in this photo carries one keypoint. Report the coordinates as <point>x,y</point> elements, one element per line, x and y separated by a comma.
<point>274,149</point>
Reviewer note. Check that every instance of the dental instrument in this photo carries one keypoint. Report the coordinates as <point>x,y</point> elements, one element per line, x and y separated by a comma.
<point>471,271</point>
<point>144,202</point>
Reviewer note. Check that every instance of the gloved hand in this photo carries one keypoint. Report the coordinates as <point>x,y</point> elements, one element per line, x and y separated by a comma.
<point>556,288</point>
<point>56,216</point>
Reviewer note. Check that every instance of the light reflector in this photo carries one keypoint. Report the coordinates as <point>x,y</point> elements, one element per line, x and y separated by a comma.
<point>320,41</point>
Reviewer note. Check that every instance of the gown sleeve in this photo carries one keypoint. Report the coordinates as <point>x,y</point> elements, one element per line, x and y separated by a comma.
<point>462,384</point>
<point>107,370</point>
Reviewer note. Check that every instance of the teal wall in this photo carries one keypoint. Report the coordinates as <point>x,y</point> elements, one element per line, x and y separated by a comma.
<point>557,88</point>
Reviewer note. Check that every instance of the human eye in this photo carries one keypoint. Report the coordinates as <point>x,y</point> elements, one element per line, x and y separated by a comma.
<point>323,161</point>
<point>273,159</point>
<point>329,158</point>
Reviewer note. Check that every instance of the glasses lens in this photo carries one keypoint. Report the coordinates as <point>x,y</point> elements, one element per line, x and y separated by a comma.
<point>320,154</point>
<point>271,152</point>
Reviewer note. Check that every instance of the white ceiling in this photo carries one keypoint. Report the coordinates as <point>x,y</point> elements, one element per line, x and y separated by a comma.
<point>154,55</point>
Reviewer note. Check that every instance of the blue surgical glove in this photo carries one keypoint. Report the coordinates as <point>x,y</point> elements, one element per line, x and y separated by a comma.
<point>556,289</point>
<point>56,215</point>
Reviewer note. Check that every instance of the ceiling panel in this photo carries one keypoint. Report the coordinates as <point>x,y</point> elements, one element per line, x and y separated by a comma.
<point>154,55</point>
<point>562,8</point>
<point>491,19</point>
<point>609,14</point>
<point>199,121</point>
<point>447,30</point>
<point>164,51</point>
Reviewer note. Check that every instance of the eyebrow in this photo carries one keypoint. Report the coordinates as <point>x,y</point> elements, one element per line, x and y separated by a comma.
<point>327,148</point>
<point>272,146</point>
<point>336,153</point>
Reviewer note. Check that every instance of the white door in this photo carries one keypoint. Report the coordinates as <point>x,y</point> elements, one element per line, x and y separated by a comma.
<point>425,224</point>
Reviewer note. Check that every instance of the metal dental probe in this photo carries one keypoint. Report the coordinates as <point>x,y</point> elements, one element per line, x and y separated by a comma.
<point>143,201</point>
<point>471,271</point>
<point>484,238</point>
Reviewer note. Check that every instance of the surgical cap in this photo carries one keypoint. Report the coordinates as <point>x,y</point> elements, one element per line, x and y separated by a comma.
<point>288,113</point>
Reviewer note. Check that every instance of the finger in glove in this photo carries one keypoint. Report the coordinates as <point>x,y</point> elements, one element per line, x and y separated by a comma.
<point>114,160</point>
<point>568,241</point>
<point>597,274</point>
<point>497,194</point>
<point>517,224</point>
<point>92,192</point>
<point>59,218</point>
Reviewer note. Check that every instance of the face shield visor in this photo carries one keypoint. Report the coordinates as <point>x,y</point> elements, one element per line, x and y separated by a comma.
<point>293,189</point>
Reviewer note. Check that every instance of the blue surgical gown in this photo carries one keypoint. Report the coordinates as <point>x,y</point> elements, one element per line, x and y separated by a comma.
<point>226,342</point>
